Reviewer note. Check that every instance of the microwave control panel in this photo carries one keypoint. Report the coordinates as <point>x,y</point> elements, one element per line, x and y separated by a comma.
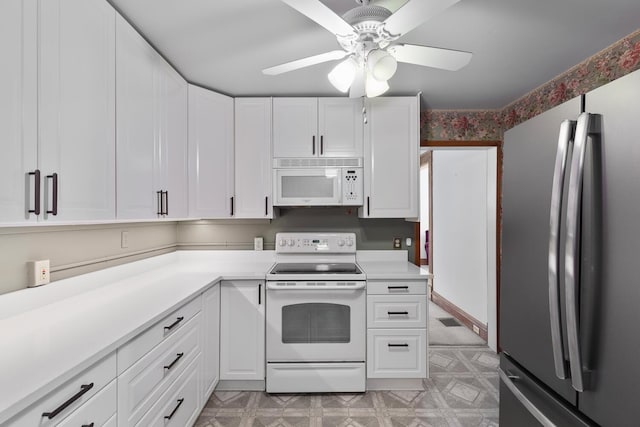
<point>352,187</point>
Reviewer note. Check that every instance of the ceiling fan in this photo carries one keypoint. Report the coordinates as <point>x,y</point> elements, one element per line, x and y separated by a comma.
<point>367,35</point>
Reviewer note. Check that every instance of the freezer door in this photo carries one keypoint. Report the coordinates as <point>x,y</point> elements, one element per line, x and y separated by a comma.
<point>529,160</point>
<point>610,287</point>
<point>524,403</point>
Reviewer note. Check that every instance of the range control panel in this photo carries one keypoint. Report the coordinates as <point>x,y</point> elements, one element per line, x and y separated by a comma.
<point>343,243</point>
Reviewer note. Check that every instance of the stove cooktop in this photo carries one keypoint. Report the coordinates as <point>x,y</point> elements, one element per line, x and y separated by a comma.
<point>315,268</point>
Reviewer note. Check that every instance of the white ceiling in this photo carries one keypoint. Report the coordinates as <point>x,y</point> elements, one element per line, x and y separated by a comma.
<point>517,45</point>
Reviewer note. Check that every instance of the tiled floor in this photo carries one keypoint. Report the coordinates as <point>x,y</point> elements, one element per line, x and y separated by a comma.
<point>462,391</point>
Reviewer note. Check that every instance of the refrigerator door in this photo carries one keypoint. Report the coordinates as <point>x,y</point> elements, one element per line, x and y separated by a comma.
<point>525,325</point>
<point>524,403</point>
<point>610,287</point>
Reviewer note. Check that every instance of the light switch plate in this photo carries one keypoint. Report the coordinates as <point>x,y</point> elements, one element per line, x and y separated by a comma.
<point>39,272</point>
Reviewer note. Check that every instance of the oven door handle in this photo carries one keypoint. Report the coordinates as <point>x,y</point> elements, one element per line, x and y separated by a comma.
<point>287,286</point>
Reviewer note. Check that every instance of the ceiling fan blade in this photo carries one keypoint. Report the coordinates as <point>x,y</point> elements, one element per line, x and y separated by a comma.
<point>321,14</point>
<point>305,62</point>
<point>414,13</point>
<point>427,56</point>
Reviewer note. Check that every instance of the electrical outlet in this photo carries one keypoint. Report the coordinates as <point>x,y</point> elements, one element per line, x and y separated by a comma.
<point>39,273</point>
<point>124,239</point>
<point>258,243</point>
<point>397,243</point>
<point>476,329</point>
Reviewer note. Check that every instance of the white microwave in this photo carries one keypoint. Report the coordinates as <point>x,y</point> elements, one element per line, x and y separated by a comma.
<point>318,182</point>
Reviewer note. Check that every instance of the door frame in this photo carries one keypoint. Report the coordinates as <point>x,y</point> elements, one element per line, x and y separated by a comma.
<point>417,238</point>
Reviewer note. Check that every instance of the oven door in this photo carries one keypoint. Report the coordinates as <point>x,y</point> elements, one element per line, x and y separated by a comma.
<point>307,187</point>
<point>305,325</point>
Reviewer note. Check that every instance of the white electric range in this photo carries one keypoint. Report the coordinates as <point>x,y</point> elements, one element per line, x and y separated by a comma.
<point>316,315</point>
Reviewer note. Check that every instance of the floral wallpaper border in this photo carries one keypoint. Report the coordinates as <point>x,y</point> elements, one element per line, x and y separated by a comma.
<point>617,60</point>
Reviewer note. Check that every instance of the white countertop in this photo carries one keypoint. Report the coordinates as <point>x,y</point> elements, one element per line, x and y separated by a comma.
<point>49,334</point>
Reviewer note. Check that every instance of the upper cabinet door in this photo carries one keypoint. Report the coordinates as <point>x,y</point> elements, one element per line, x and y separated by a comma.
<point>210,154</point>
<point>77,108</point>
<point>135,131</point>
<point>391,158</point>
<point>253,158</point>
<point>18,109</point>
<point>340,126</point>
<point>295,127</point>
<point>172,138</point>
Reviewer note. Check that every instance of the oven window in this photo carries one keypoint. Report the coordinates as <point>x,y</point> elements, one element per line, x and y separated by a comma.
<point>316,323</point>
<point>307,186</point>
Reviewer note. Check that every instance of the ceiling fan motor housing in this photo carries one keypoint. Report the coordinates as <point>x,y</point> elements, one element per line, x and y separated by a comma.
<point>367,20</point>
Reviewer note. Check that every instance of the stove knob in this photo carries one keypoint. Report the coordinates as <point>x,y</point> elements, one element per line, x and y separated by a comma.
<point>282,242</point>
<point>340,242</point>
<point>349,242</point>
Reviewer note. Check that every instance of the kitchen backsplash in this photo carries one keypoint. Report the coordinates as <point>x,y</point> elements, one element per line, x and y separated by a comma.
<point>617,60</point>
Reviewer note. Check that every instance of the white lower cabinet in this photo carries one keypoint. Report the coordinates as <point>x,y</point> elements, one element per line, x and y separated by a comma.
<point>179,406</point>
<point>210,341</point>
<point>242,352</point>
<point>72,396</point>
<point>397,346</point>
<point>97,412</point>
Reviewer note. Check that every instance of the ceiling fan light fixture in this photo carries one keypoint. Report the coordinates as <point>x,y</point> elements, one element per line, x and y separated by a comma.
<point>375,87</point>
<point>343,74</point>
<point>382,65</point>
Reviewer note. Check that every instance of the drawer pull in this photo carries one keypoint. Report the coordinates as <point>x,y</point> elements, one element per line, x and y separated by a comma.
<point>83,389</point>
<point>168,417</point>
<point>399,313</point>
<point>391,288</point>
<point>398,345</point>
<point>174,324</point>
<point>170,365</point>
<point>87,425</point>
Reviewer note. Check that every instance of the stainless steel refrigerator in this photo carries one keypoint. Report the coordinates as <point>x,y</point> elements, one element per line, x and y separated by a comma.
<point>570,279</point>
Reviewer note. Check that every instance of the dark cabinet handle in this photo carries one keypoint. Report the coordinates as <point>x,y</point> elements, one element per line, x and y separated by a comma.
<point>87,425</point>
<point>159,200</point>
<point>400,313</point>
<point>259,293</point>
<point>170,365</point>
<point>368,206</point>
<point>83,389</point>
<point>398,345</point>
<point>168,417</point>
<point>174,324</point>
<point>266,206</point>
<point>166,203</point>
<point>231,206</point>
<point>54,194</point>
<point>313,145</point>
<point>397,287</point>
<point>321,145</point>
<point>36,192</point>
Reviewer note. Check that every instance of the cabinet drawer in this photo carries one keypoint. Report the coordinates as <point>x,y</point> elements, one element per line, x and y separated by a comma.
<point>129,353</point>
<point>98,410</point>
<point>70,396</point>
<point>395,287</point>
<point>178,407</point>
<point>140,386</point>
<point>397,353</point>
<point>397,311</point>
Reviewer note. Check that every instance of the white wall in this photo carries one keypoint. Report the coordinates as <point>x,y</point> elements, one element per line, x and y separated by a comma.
<point>460,218</point>
<point>492,297</point>
<point>424,207</point>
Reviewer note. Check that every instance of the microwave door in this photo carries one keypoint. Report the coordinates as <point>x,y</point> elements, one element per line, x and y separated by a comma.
<point>307,187</point>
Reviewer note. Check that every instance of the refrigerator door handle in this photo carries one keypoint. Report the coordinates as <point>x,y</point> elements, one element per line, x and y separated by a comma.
<point>508,380</point>
<point>588,125</point>
<point>565,140</point>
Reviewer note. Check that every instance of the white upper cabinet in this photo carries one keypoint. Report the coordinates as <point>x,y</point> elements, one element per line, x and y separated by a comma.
<point>317,127</point>
<point>295,127</point>
<point>18,109</point>
<point>253,158</point>
<point>210,154</point>
<point>340,127</point>
<point>77,108</point>
<point>391,146</point>
<point>151,131</point>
